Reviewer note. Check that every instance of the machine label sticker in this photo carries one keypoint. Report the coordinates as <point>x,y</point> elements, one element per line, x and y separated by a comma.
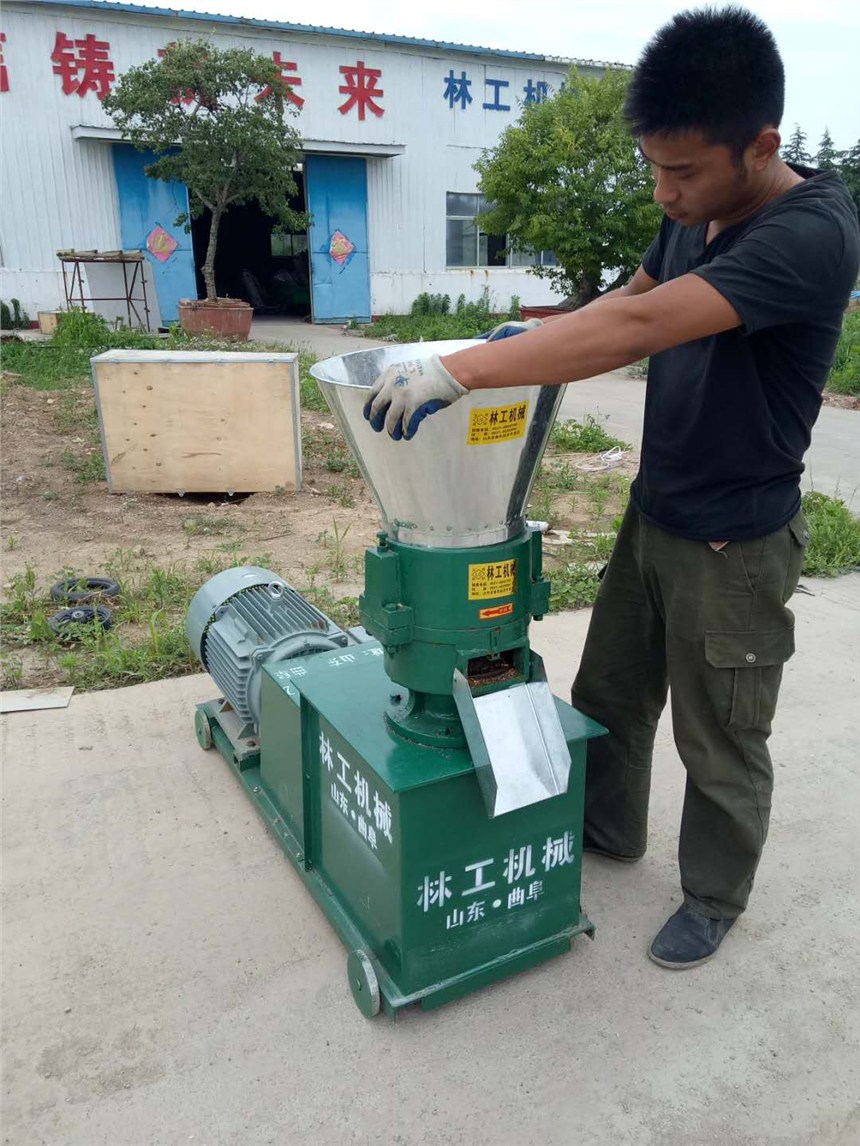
<point>496,579</point>
<point>502,884</point>
<point>493,424</point>
<point>355,797</point>
<point>499,611</point>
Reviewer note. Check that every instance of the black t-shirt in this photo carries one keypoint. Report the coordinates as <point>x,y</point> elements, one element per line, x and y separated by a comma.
<point>729,418</point>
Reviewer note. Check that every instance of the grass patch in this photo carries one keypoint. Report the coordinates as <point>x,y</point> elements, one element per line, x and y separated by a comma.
<point>433,317</point>
<point>834,536</point>
<point>64,360</point>
<point>573,586</point>
<point>587,437</point>
<point>328,450</point>
<point>87,467</point>
<point>147,639</point>
<point>845,375</point>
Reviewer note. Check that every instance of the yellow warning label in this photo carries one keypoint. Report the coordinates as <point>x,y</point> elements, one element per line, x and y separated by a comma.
<point>497,611</point>
<point>497,579</point>
<point>497,424</point>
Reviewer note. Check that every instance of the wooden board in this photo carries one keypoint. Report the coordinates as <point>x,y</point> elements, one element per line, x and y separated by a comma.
<point>198,422</point>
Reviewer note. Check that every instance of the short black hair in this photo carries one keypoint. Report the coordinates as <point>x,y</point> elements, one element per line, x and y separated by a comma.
<point>714,70</point>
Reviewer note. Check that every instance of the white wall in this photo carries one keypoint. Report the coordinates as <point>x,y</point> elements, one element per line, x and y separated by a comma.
<point>59,192</point>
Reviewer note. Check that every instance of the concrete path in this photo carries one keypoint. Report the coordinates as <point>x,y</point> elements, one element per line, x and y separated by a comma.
<point>832,463</point>
<point>167,980</point>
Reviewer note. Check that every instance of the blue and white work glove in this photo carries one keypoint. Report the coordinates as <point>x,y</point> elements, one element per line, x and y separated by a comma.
<point>407,392</point>
<point>508,329</point>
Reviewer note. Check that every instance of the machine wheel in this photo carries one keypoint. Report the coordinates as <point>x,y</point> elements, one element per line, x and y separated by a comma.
<point>203,730</point>
<point>83,590</point>
<point>363,983</point>
<point>71,624</point>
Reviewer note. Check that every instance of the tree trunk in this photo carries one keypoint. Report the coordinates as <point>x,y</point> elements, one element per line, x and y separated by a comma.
<point>209,264</point>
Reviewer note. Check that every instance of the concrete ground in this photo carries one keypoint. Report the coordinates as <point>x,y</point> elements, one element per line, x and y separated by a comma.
<point>167,979</point>
<point>832,463</point>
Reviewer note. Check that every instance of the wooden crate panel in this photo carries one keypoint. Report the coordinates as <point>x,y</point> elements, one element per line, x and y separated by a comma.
<point>204,422</point>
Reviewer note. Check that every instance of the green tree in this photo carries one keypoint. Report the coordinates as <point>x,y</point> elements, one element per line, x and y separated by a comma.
<point>795,150</point>
<point>849,169</point>
<point>828,157</point>
<point>568,177</point>
<point>218,122</point>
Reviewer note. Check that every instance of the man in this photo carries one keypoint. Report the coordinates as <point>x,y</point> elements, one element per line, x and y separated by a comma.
<point>738,303</point>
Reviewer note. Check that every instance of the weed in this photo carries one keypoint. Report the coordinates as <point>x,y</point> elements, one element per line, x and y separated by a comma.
<point>343,495</point>
<point>205,524</point>
<point>542,506</point>
<point>107,660</point>
<point>834,536</point>
<point>334,543</point>
<point>11,672</point>
<point>342,610</point>
<point>11,541</point>
<point>587,437</point>
<point>572,587</point>
<point>638,369</point>
<point>559,477</point>
<point>50,495</point>
<point>88,467</point>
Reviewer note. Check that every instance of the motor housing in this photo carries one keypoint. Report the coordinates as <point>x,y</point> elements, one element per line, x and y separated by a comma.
<point>246,617</point>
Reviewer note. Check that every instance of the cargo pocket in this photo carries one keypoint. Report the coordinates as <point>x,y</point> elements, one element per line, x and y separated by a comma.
<point>799,531</point>
<point>749,671</point>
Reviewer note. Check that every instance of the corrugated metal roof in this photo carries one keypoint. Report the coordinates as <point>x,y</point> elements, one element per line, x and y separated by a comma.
<point>275,25</point>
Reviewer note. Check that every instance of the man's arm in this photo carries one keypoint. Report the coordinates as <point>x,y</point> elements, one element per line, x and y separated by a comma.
<point>640,319</point>
<point>638,284</point>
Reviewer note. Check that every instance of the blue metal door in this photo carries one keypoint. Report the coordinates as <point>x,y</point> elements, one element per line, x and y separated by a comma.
<point>148,209</point>
<point>336,192</point>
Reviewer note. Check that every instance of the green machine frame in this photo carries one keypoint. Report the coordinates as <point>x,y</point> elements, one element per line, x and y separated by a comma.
<point>432,897</point>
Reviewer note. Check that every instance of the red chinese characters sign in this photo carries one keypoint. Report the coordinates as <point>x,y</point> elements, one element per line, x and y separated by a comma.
<point>290,81</point>
<point>84,65</point>
<point>361,89</point>
<point>4,75</point>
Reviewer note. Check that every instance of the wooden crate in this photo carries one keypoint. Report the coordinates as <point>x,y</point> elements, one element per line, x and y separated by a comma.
<point>198,422</point>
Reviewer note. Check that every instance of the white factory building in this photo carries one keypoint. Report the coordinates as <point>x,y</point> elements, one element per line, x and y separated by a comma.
<point>391,129</point>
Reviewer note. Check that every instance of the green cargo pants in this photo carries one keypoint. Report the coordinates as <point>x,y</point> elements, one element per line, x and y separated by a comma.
<point>711,626</point>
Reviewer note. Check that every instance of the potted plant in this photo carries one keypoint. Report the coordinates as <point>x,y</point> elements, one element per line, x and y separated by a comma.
<point>217,121</point>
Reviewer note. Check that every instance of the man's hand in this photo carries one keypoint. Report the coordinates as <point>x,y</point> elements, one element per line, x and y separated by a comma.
<point>507,329</point>
<point>406,392</point>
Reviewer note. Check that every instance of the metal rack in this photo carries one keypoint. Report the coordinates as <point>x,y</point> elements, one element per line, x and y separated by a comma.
<point>133,279</point>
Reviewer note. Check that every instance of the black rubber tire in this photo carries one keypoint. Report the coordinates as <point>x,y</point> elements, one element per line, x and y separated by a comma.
<point>69,622</point>
<point>97,589</point>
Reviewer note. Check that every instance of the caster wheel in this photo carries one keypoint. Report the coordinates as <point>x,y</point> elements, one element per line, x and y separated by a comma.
<point>363,983</point>
<point>203,730</point>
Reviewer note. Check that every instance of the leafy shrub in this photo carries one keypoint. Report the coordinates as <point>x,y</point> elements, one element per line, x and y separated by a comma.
<point>14,319</point>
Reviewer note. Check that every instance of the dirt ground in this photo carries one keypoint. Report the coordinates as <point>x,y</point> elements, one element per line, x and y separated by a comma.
<point>52,521</point>
<point>55,522</point>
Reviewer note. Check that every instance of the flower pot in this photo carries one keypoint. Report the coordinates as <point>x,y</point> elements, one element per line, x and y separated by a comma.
<point>219,318</point>
<point>527,312</point>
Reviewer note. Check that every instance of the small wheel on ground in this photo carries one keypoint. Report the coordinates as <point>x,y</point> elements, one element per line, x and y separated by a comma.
<point>203,730</point>
<point>82,590</point>
<point>71,624</point>
<point>363,983</point>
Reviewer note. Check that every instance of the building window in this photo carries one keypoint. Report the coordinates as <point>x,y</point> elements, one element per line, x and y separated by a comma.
<point>284,246</point>
<point>466,245</point>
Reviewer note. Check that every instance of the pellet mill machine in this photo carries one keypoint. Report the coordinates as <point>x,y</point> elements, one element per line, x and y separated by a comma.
<point>417,770</point>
